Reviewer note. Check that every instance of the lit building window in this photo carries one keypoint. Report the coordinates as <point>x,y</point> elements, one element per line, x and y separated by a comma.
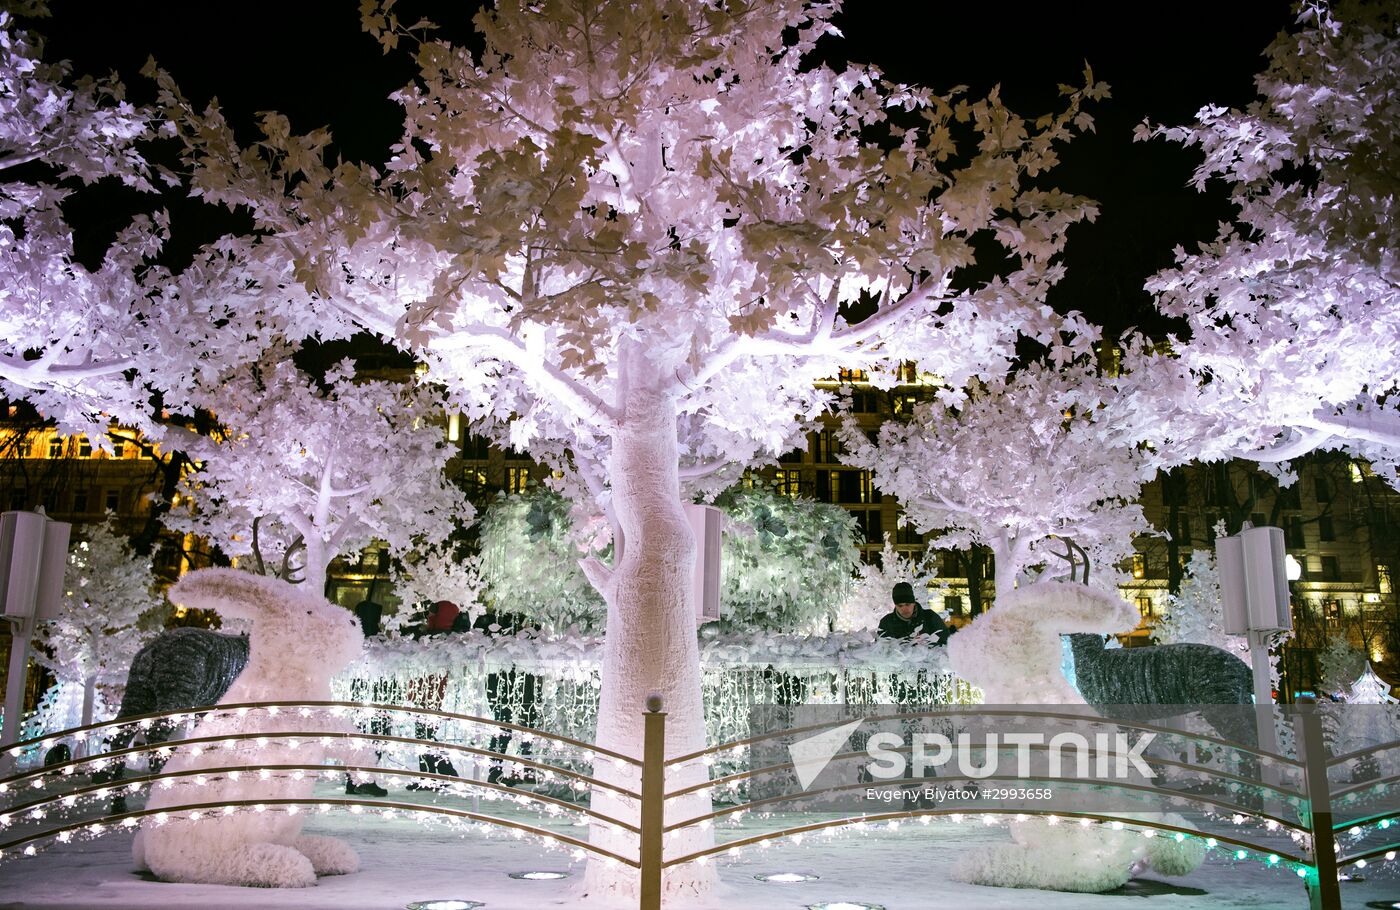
<point>1144,605</point>
<point>517,479</point>
<point>1139,565</point>
<point>84,447</point>
<point>118,448</point>
<point>1383,579</point>
<point>1356,475</point>
<point>56,447</point>
<point>789,483</point>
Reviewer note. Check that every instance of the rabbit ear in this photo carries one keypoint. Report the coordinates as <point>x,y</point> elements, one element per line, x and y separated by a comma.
<point>232,593</point>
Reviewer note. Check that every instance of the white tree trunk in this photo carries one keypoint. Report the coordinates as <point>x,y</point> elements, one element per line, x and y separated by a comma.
<point>651,642</point>
<point>89,698</point>
<point>1010,553</point>
<point>317,559</point>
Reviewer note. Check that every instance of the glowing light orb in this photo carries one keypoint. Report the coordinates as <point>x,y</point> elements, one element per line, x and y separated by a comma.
<point>539,876</point>
<point>844,905</point>
<point>786,878</point>
<point>444,905</point>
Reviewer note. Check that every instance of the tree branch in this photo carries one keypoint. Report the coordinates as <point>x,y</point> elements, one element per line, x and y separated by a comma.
<point>502,344</point>
<point>1296,446</point>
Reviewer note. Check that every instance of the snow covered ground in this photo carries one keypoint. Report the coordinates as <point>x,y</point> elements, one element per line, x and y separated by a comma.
<point>402,862</point>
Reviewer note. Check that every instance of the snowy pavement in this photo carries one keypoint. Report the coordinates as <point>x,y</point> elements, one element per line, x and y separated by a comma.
<point>403,862</point>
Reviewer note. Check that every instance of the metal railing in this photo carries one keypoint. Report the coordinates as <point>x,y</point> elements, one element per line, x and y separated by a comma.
<point>1312,798</point>
<point>38,804</point>
<point>29,824</point>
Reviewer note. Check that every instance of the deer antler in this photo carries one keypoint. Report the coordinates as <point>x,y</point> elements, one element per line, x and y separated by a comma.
<point>1069,542</point>
<point>1068,556</point>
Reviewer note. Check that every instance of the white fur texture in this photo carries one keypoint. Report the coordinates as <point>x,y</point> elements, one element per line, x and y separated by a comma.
<point>299,640</point>
<point>1070,858</point>
<point>1013,653</point>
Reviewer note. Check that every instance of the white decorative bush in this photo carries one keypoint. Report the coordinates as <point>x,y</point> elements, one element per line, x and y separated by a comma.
<point>789,563</point>
<point>529,563</point>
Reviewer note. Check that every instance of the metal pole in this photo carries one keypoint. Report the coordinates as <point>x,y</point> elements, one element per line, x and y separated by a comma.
<point>1324,893</point>
<point>653,802</point>
<point>21,629</point>
<point>1263,690</point>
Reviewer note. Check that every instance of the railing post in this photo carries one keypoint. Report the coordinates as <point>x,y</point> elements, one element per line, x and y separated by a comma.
<point>1324,892</point>
<point>653,802</point>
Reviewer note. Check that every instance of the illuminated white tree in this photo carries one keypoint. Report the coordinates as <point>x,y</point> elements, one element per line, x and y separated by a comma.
<point>1046,452</point>
<point>630,235</point>
<point>110,609</point>
<point>1196,613</point>
<point>83,325</point>
<point>1292,308</point>
<point>307,470</point>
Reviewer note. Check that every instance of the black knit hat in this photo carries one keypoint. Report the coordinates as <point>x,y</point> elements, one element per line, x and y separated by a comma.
<point>904,593</point>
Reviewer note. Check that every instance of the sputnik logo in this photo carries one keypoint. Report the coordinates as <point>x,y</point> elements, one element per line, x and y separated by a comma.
<point>810,756</point>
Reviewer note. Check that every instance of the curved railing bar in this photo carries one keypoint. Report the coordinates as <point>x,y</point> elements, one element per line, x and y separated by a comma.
<point>111,788</point>
<point>369,738</point>
<point>917,813</point>
<point>863,785</point>
<point>911,715</point>
<point>1362,753</point>
<point>115,820</point>
<point>1357,788</point>
<point>1352,858</point>
<point>771,769</point>
<point>1365,820</point>
<point>355,705</point>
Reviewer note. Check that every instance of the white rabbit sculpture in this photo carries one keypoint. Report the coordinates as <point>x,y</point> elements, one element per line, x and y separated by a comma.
<point>299,640</point>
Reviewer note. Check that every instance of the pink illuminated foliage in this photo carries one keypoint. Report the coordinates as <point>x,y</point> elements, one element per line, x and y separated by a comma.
<point>1293,308</point>
<point>613,227</point>
<point>1017,461</point>
<point>303,471</point>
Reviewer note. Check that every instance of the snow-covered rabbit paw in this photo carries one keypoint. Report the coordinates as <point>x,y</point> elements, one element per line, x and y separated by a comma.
<point>328,855</point>
<point>270,866</point>
<point>1168,857</point>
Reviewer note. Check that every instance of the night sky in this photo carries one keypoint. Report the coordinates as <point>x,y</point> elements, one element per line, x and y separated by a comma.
<point>1164,61</point>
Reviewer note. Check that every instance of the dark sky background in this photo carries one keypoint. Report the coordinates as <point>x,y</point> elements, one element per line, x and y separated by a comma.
<point>310,60</point>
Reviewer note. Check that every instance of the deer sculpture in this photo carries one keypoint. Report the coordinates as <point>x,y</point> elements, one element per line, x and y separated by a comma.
<point>1144,684</point>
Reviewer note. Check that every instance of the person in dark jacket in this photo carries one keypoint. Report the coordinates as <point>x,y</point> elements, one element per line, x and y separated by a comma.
<point>908,618</point>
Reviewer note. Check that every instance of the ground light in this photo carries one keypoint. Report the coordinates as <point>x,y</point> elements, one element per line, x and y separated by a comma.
<point>1384,905</point>
<point>539,876</point>
<point>786,878</point>
<point>444,905</point>
<point>846,905</point>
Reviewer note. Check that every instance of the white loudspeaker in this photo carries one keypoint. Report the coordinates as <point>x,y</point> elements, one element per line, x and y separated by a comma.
<point>33,555</point>
<point>1254,581</point>
<point>707,523</point>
